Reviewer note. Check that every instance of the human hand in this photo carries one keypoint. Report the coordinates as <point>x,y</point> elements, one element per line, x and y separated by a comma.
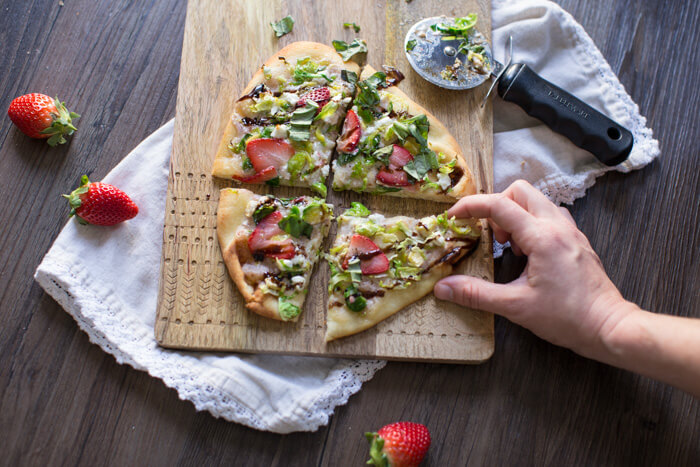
<point>564,294</point>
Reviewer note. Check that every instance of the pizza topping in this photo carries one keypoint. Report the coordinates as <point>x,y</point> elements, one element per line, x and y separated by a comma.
<point>319,95</point>
<point>268,152</point>
<point>266,175</point>
<point>269,240</point>
<point>394,174</point>
<point>294,224</point>
<point>286,309</point>
<point>372,259</point>
<point>354,299</point>
<point>301,121</point>
<point>351,133</point>
<point>264,209</point>
<point>357,210</point>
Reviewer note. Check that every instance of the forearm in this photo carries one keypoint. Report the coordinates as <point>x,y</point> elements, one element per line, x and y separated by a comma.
<point>663,347</point>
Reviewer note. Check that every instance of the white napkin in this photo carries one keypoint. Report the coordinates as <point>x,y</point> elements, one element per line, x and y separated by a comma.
<point>107,278</point>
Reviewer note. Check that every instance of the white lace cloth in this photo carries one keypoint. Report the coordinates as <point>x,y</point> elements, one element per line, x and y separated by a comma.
<point>107,278</point>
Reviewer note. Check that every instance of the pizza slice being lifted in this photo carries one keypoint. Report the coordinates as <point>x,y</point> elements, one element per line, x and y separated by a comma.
<point>284,127</point>
<point>380,265</point>
<point>391,145</point>
<point>270,246</point>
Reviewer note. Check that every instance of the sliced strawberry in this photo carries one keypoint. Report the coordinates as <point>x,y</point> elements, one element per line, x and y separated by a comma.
<point>260,177</point>
<point>372,259</point>
<point>321,96</point>
<point>270,240</point>
<point>394,175</point>
<point>268,152</point>
<point>351,133</point>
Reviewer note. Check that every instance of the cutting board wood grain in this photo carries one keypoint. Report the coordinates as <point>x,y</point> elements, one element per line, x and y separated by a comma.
<point>199,307</point>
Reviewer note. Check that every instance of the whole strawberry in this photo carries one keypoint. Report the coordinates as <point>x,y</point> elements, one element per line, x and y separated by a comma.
<point>100,203</point>
<point>39,116</point>
<point>400,444</point>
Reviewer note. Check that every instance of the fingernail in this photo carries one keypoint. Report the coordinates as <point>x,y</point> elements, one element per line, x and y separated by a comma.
<point>443,292</point>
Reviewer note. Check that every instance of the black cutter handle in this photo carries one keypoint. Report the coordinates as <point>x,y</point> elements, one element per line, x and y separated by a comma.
<point>586,127</point>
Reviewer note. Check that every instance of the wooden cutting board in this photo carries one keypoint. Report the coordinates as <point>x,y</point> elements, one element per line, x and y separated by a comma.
<point>199,308</point>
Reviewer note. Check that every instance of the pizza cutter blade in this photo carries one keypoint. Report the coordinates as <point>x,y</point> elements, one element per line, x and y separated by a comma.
<point>439,61</point>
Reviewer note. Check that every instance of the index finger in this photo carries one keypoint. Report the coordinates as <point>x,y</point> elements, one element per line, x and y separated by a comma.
<point>508,214</point>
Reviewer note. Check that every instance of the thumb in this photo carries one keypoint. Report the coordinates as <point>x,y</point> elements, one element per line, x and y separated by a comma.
<point>479,294</point>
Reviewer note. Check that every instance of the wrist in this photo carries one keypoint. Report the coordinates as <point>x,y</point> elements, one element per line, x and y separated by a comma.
<point>625,329</point>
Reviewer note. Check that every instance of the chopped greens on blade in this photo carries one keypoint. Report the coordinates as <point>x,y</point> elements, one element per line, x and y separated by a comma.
<point>380,265</point>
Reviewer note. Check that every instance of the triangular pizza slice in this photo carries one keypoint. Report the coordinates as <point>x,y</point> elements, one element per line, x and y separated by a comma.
<point>284,126</point>
<point>270,246</point>
<point>380,265</point>
<point>391,145</point>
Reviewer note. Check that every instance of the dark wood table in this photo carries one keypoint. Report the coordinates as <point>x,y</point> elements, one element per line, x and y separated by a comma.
<point>64,401</point>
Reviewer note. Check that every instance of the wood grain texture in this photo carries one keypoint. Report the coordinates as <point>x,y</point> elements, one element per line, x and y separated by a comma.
<point>64,401</point>
<point>199,306</point>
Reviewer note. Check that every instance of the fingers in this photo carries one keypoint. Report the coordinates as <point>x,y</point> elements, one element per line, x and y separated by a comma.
<point>506,213</point>
<point>472,292</point>
<point>567,215</point>
<point>530,198</point>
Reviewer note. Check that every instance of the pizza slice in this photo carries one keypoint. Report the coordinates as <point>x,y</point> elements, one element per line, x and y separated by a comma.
<point>391,145</point>
<point>270,246</point>
<point>380,265</point>
<point>284,127</point>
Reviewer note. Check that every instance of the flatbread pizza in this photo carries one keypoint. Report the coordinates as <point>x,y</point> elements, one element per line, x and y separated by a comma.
<point>391,145</point>
<point>270,246</point>
<point>284,127</point>
<point>380,265</point>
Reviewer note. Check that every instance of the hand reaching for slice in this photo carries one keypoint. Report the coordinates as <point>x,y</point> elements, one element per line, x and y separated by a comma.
<point>564,294</point>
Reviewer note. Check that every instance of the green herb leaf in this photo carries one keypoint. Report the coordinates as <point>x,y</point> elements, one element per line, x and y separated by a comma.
<point>327,110</point>
<point>263,211</point>
<point>240,147</point>
<point>378,79</point>
<point>345,158</point>
<point>383,154</point>
<point>422,163</point>
<point>320,188</point>
<point>410,45</point>
<point>352,25</point>
<point>283,26</point>
<point>287,310</point>
<point>295,225</point>
<point>246,164</point>
<point>267,131</point>
<point>297,162</point>
<point>348,76</point>
<point>355,270</point>
<point>273,182</point>
<point>357,210</point>
<point>355,51</point>
<point>301,120</point>
<point>353,299</point>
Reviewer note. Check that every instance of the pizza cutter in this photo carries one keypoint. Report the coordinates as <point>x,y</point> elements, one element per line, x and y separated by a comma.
<point>438,59</point>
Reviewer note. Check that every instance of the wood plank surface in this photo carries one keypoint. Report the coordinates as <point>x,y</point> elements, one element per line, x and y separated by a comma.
<point>65,402</point>
<point>199,306</point>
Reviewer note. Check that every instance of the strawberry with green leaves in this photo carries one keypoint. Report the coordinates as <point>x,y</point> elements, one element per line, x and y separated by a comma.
<point>100,203</point>
<point>40,116</point>
<point>400,444</point>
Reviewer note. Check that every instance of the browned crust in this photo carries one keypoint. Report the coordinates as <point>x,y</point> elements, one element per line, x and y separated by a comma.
<point>439,139</point>
<point>234,248</point>
<point>223,166</point>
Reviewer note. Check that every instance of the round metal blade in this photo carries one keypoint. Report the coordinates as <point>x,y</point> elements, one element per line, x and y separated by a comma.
<point>434,58</point>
